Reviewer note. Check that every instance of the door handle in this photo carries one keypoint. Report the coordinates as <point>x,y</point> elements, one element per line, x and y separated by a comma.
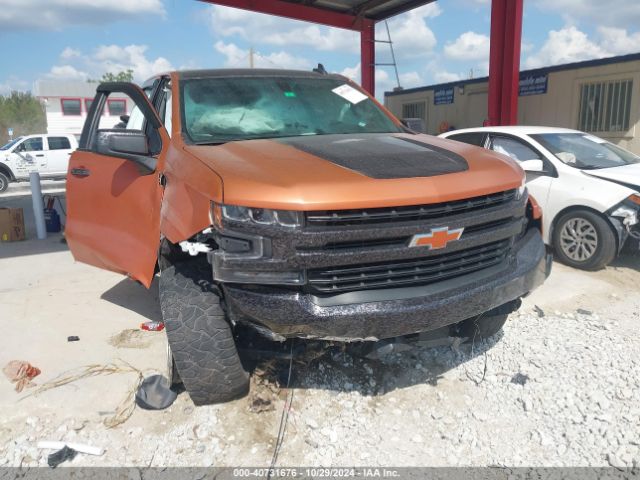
<point>39,154</point>
<point>80,172</point>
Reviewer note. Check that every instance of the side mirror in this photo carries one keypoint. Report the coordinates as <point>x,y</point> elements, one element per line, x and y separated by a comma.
<point>132,145</point>
<point>536,165</point>
<point>19,148</point>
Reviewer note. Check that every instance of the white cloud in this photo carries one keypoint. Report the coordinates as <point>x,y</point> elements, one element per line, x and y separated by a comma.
<point>385,79</point>
<point>410,34</point>
<point>58,14</point>
<point>114,58</point>
<point>468,46</point>
<point>618,41</point>
<point>446,77</point>
<point>66,72</point>
<point>570,44</point>
<point>621,13</point>
<point>261,29</point>
<point>108,59</point>
<point>13,84</point>
<point>69,52</point>
<point>239,57</point>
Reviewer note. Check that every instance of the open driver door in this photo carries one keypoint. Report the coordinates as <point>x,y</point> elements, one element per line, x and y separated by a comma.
<point>114,193</point>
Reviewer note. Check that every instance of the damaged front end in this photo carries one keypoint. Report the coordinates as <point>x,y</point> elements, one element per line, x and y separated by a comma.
<point>360,275</point>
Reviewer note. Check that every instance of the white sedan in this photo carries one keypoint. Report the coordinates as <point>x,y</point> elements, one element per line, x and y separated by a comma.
<point>588,188</point>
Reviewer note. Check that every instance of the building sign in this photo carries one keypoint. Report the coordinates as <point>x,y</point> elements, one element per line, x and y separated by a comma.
<point>443,96</point>
<point>533,85</point>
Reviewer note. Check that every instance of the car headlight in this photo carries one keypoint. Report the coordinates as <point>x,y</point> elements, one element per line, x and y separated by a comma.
<point>521,191</point>
<point>628,210</point>
<point>257,216</point>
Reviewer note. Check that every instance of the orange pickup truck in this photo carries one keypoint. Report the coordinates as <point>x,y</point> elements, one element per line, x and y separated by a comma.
<point>294,204</point>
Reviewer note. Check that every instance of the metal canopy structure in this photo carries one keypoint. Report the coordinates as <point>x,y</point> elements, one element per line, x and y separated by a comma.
<point>362,16</point>
<point>358,15</point>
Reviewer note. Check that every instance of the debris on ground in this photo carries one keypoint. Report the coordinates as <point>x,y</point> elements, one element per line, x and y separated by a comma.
<point>73,338</point>
<point>520,378</point>
<point>130,338</point>
<point>152,326</point>
<point>128,404</point>
<point>61,456</point>
<point>155,393</point>
<point>582,311</point>
<point>539,311</point>
<point>78,447</point>
<point>21,373</point>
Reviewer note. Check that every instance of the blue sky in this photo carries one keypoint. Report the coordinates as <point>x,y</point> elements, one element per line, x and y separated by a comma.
<point>444,41</point>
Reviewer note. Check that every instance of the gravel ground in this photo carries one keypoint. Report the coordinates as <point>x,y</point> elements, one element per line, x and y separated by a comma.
<point>556,388</point>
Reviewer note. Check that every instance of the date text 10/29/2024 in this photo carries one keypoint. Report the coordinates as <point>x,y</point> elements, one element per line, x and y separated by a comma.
<point>304,472</point>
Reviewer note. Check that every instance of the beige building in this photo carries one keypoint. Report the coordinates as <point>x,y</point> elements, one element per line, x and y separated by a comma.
<point>597,96</point>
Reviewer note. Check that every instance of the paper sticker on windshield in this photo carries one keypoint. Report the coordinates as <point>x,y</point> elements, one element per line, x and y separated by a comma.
<point>349,93</point>
<point>594,139</point>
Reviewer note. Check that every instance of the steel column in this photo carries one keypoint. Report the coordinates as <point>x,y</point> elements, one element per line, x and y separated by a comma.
<point>368,56</point>
<point>504,61</point>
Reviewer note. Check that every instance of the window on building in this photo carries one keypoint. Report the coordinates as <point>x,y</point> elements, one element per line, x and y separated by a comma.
<point>117,106</point>
<point>59,143</point>
<point>71,106</point>
<point>414,110</point>
<point>605,106</point>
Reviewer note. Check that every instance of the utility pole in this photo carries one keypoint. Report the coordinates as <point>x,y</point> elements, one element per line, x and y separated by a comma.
<point>251,57</point>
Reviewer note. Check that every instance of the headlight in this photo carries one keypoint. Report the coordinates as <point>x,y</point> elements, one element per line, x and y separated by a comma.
<point>521,191</point>
<point>258,216</point>
<point>628,210</point>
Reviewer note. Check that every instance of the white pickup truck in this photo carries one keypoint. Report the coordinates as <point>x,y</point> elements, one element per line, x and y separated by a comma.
<point>45,154</point>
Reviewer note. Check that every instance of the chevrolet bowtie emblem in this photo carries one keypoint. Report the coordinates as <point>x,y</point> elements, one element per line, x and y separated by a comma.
<point>438,238</point>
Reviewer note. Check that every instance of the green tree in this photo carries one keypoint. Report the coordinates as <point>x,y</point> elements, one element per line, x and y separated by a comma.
<point>22,112</point>
<point>125,76</point>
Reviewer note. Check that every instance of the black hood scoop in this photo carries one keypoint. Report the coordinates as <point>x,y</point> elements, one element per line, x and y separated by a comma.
<point>381,156</point>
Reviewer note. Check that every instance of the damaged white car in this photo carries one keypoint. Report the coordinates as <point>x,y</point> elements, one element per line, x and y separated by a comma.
<point>46,154</point>
<point>588,188</point>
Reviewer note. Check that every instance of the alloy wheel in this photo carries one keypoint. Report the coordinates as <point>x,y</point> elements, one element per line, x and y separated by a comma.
<point>579,239</point>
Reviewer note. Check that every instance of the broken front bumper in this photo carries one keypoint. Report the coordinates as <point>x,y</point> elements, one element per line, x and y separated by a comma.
<point>379,314</point>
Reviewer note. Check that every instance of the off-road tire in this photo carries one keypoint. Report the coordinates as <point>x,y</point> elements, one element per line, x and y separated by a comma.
<point>4,182</point>
<point>605,251</point>
<point>482,327</point>
<point>199,334</point>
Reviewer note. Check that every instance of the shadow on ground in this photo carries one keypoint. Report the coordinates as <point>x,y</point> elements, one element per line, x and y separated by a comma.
<point>630,258</point>
<point>373,370</point>
<point>135,297</point>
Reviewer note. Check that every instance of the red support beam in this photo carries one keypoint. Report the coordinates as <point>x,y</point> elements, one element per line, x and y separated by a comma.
<point>504,61</point>
<point>296,11</point>
<point>368,56</point>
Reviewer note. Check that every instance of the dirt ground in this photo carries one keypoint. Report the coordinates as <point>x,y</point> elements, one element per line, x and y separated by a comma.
<point>556,388</point>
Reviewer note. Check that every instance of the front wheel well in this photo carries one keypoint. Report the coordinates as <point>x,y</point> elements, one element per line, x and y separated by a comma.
<point>577,208</point>
<point>7,171</point>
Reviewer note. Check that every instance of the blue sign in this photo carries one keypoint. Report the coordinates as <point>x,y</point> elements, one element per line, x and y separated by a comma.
<point>443,96</point>
<point>533,85</point>
<point>10,131</point>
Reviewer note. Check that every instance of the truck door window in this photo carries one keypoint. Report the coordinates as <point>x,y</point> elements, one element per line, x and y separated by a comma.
<point>59,143</point>
<point>514,149</point>
<point>31,145</point>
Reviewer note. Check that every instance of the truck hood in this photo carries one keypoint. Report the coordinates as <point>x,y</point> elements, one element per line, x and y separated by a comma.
<point>328,172</point>
<point>627,175</point>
